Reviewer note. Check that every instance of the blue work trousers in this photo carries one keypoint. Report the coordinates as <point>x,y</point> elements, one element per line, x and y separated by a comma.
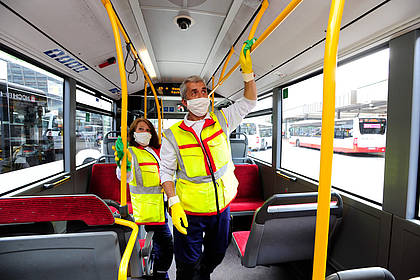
<point>211,232</point>
<point>163,249</point>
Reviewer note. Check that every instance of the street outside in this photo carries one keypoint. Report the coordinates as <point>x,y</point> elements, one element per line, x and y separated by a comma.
<point>360,174</point>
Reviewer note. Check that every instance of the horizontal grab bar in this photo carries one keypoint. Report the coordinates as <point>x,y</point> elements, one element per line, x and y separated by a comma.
<point>57,183</point>
<point>290,178</point>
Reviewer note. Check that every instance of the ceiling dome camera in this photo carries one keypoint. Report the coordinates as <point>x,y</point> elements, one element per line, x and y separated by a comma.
<point>183,21</point>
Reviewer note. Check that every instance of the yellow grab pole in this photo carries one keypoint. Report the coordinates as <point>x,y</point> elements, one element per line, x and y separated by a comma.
<point>327,136</point>
<point>282,16</point>
<point>161,106</point>
<point>122,271</point>
<point>145,98</point>
<point>232,50</point>
<point>149,81</point>
<point>264,6</point>
<point>212,96</point>
<point>121,67</point>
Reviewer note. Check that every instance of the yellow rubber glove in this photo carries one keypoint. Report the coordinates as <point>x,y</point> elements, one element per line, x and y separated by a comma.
<point>178,215</point>
<point>245,57</point>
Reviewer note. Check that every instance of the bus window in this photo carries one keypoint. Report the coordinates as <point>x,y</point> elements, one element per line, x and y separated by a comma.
<point>91,127</point>
<point>259,131</point>
<point>31,145</point>
<point>360,126</point>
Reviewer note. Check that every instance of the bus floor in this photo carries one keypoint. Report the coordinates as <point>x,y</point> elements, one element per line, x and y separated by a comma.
<point>232,269</point>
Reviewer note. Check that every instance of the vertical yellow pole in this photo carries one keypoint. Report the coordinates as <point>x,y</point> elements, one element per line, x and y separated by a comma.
<point>120,59</point>
<point>212,96</point>
<point>161,106</point>
<point>149,81</point>
<point>145,98</point>
<point>328,114</point>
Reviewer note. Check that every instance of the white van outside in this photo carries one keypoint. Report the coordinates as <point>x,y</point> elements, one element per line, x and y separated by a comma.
<point>259,134</point>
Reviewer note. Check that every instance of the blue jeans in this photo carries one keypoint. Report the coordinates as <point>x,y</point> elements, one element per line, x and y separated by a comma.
<point>192,262</point>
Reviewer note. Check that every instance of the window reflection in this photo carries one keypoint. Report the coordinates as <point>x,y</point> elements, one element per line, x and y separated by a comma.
<point>31,134</point>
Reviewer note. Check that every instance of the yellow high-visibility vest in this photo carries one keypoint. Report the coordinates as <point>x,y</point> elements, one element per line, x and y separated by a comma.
<point>145,189</point>
<point>198,157</point>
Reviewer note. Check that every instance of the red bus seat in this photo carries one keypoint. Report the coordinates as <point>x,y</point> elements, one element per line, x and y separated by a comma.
<point>249,196</point>
<point>105,184</point>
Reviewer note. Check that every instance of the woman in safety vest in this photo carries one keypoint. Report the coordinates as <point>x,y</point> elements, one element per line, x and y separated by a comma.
<point>146,193</point>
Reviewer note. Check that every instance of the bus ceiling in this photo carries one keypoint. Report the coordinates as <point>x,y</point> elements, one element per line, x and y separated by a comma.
<point>74,38</point>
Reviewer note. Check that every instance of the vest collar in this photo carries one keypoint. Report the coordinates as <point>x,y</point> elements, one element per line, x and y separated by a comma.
<point>187,124</point>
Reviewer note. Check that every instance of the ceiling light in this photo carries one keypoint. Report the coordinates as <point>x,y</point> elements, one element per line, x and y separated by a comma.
<point>147,62</point>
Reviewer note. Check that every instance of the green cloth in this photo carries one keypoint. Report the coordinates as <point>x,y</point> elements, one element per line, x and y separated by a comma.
<point>249,44</point>
<point>119,148</point>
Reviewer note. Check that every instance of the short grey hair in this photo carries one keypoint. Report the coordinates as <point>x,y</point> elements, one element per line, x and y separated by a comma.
<point>190,79</point>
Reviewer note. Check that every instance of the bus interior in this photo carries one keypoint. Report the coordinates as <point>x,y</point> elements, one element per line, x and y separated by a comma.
<point>69,86</point>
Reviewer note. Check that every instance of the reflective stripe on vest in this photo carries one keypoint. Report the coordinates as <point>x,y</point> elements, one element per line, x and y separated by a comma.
<point>194,185</point>
<point>145,190</point>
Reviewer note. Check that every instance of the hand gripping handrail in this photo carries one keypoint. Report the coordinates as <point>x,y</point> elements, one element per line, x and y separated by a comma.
<point>122,271</point>
<point>327,137</point>
<point>282,16</point>
<point>124,97</point>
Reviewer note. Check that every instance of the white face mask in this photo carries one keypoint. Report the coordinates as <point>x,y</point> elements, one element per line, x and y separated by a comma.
<point>198,106</point>
<point>143,138</point>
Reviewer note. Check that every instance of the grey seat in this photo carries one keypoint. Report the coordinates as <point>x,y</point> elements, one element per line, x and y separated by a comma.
<point>94,255</point>
<point>283,229</point>
<point>109,141</point>
<point>239,148</point>
<point>369,273</point>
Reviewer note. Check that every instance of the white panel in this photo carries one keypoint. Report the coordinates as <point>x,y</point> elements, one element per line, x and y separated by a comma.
<point>212,6</point>
<point>172,44</point>
<point>176,72</point>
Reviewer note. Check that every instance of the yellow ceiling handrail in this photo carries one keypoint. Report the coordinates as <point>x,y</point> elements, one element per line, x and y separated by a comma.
<point>232,50</point>
<point>124,97</point>
<point>327,137</point>
<point>212,96</point>
<point>145,98</point>
<point>264,6</point>
<point>146,75</point>
<point>122,271</point>
<point>279,19</point>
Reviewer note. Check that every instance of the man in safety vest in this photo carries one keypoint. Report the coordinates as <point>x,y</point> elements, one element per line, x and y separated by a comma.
<point>198,150</point>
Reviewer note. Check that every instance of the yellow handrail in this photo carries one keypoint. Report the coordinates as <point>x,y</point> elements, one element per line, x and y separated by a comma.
<point>232,50</point>
<point>264,6</point>
<point>327,136</point>
<point>289,8</point>
<point>122,271</point>
<point>145,98</point>
<point>212,96</point>
<point>146,75</point>
<point>121,67</point>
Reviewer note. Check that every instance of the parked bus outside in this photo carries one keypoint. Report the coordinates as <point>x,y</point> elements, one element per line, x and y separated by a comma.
<point>357,135</point>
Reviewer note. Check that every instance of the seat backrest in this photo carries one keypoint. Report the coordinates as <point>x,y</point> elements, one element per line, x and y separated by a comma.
<point>104,182</point>
<point>283,229</point>
<point>369,273</point>
<point>249,181</point>
<point>60,256</point>
<point>87,208</point>
<point>239,148</point>
<point>109,140</point>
